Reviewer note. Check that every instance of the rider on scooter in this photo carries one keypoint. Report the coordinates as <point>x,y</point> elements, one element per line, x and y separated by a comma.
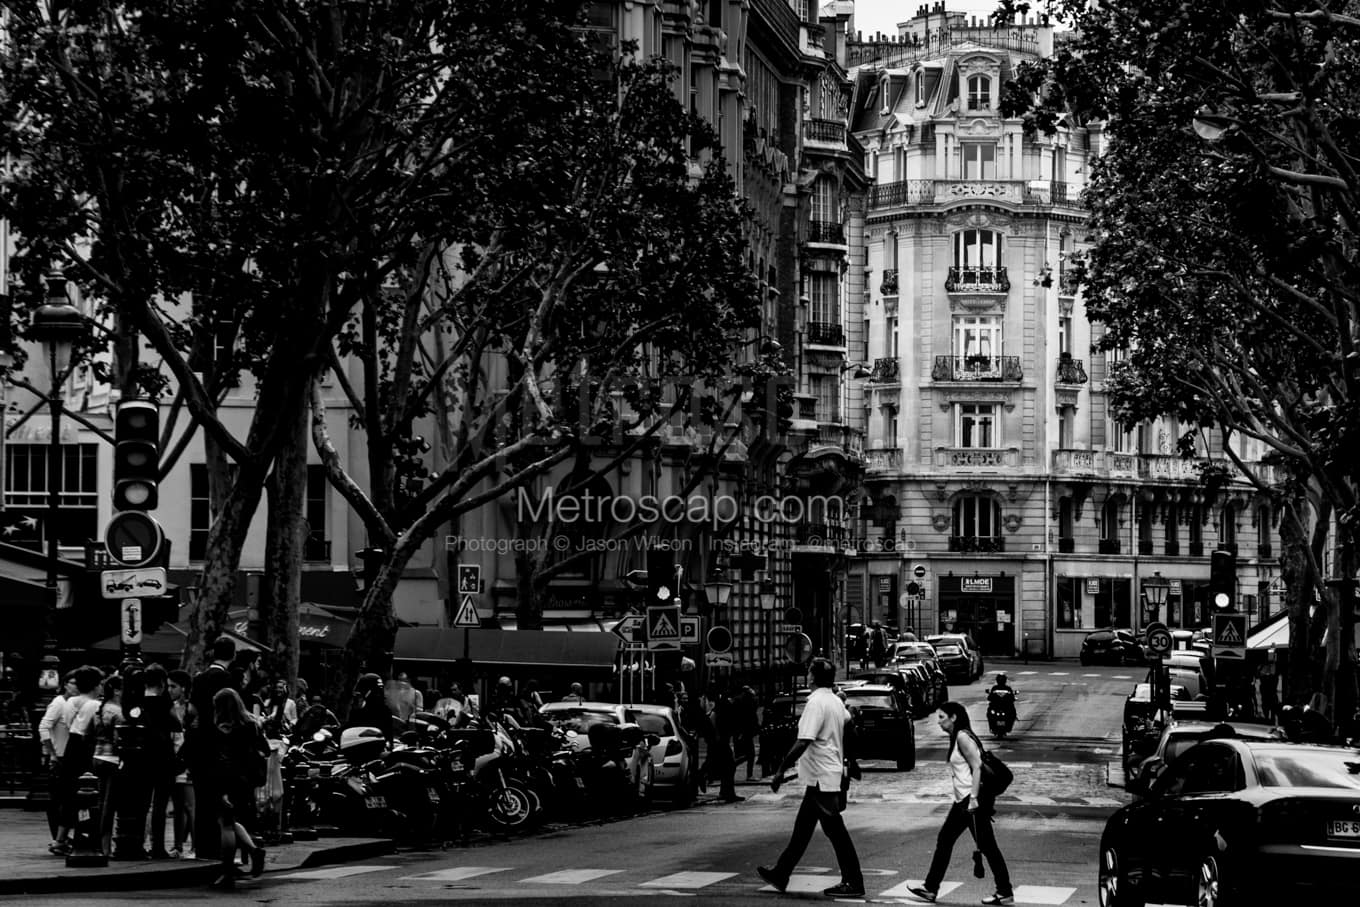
<point>1002,697</point>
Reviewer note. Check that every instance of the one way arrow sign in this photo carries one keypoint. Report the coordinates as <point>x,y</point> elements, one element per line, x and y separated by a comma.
<point>628,629</point>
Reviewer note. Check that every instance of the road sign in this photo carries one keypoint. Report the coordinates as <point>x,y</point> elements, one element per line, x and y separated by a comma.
<point>1159,640</point>
<point>131,621</point>
<point>143,583</point>
<point>469,579</point>
<point>1230,636</point>
<point>719,659</point>
<point>663,627</point>
<point>467,616</point>
<point>798,648</point>
<point>919,571</point>
<point>133,538</point>
<point>719,639</point>
<point>628,629</point>
<point>689,630</point>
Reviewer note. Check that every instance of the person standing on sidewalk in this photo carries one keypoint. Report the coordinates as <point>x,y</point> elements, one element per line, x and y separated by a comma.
<point>53,731</point>
<point>198,739</point>
<point>181,791</point>
<point>820,754</point>
<point>236,767</point>
<point>969,812</point>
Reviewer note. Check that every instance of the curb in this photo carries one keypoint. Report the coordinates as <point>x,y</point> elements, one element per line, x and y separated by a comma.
<point>196,873</point>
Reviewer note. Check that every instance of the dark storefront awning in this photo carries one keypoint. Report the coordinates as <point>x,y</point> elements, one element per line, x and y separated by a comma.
<point>508,648</point>
<point>168,642</point>
<point>316,625</point>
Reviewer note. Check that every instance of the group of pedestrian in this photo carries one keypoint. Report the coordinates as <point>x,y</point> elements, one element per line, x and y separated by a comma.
<point>824,757</point>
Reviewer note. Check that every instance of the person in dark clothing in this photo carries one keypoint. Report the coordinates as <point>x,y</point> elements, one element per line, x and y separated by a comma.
<point>239,751</point>
<point>197,740</point>
<point>747,718</point>
<point>369,706</point>
<point>148,766</point>
<point>722,764</point>
<point>878,644</point>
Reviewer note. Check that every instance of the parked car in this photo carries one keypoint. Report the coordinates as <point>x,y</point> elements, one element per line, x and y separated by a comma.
<point>576,718</point>
<point>674,774</point>
<point>779,727</point>
<point>884,727</point>
<point>1144,722</point>
<point>1114,646</point>
<point>970,648</point>
<point>930,677</point>
<point>1239,821</point>
<point>1179,736</point>
<point>911,650</point>
<point>913,681</point>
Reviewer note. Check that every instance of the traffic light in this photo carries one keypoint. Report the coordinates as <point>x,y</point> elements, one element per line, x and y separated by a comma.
<point>136,455</point>
<point>1223,580</point>
<point>660,577</point>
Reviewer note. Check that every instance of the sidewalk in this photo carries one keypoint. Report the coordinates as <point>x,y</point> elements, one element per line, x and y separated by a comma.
<point>30,869</point>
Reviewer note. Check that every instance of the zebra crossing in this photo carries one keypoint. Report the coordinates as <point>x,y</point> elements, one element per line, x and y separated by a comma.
<point>1068,674</point>
<point>882,885</point>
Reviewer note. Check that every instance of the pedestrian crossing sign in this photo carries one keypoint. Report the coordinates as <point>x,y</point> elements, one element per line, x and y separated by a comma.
<point>663,627</point>
<point>467,615</point>
<point>1230,635</point>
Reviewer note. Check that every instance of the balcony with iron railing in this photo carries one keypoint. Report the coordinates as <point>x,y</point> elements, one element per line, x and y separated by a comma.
<point>977,368</point>
<point>1169,468</point>
<point>883,459</point>
<point>826,232</point>
<point>887,370</point>
<point>1095,463</point>
<point>902,192</point>
<point>977,457</point>
<point>944,192</point>
<point>1071,371</point>
<point>888,286</point>
<point>982,544</point>
<point>969,279</point>
<point>824,333</point>
<point>829,131</point>
<point>807,408</point>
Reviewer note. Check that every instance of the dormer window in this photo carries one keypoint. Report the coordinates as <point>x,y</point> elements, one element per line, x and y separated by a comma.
<point>979,93</point>
<point>920,88</point>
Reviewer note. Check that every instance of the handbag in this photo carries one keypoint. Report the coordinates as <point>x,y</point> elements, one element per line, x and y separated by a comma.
<point>996,775</point>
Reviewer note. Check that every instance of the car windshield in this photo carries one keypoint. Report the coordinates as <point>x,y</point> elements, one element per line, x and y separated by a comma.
<point>948,651</point>
<point>652,723</point>
<point>876,701</point>
<point>1298,767</point>
<point>579,720</point>
<point>1177,745</point>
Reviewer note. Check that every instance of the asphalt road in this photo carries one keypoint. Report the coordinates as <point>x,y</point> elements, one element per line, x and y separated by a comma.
<point>1068,728</point>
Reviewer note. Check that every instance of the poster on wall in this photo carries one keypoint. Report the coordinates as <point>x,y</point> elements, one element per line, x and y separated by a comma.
<point>1093,585</point>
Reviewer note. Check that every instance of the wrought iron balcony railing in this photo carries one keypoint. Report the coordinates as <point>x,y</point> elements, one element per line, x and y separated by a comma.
<point>977,368</point>
<point>832,131</point>
<point>1071,371</point>
<point>883,459</point>
<point>887,370</point>
<point>977,280</point>
<point>979,543</point>
<point>826,232</point>
<point>889,284</point>
<point>902,192</point>
<point>807,409</point>
<point>825,333</point>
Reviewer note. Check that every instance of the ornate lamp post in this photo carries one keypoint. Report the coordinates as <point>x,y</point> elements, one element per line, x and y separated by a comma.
<point>1155,588</point>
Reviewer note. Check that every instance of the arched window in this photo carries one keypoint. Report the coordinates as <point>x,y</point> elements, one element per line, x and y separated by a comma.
<point>977,524</point>
<point>979,93</point>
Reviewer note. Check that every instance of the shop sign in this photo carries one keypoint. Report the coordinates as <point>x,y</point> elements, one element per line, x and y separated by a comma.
<point>1175,587</point>
<point>975,584</point>
<point>1093,585</point>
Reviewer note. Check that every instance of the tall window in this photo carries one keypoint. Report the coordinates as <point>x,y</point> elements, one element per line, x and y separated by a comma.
<point>826,389</point>
<point>892,337</point>
<point>979,160</point>
<point>979,93</point>
<point>1172,524</point>
<point>1065,335</point>
<point>825,302</point>
<point>28,520</point>
<point>1196,533</point>
<point>316,548</point>
<point>1110,516</point>
<point>977,516</point>
<point>977,249</point>
<point>1227,525</point>
<point>824,207</point>
<point>890,425</point>
<point>890,251</point>
<point>1066,433</point>
<point>1263,532</point>
<point>1121,439</point>
<point>975,425</point>
<point>977,335</point>
<point>1065,521</point>
<point>200,509</point>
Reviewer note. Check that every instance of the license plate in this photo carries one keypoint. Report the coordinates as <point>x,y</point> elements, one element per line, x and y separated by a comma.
<point>432,794</point>
<point>579,783</point>
<point>1343,828</point>
<point>84,815</point>
<point>375,802</point>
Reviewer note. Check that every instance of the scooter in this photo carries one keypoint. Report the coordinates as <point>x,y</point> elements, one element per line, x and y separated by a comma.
<point>1001,711</point>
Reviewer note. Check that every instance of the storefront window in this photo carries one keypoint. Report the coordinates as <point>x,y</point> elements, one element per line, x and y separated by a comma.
<point>1087,603</point>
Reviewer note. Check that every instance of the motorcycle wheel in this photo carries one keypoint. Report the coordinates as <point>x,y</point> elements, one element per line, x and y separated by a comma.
<point>511,808</point>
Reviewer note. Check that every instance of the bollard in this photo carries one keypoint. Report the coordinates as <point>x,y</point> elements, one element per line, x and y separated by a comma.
<point>88,846</point>
<point>297,801</point>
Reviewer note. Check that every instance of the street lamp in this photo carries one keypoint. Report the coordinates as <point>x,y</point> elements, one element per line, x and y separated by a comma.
<point>718,590</point>
<point>1156,587</point>
<point>57,325</point>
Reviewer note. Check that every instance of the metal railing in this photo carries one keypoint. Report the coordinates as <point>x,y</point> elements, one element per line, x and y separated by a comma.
<point>976,457</point>
<point>977,368</point>
<point>825,333</point>
<point>979,543</point>
<point>883,459</point>
<point>832,131</point>
<point>889,283</point>
<point>826,232</point>
<point>887,369</point>
<point>902,192</point>
<point>977,280</point>
<point>1071,371</point>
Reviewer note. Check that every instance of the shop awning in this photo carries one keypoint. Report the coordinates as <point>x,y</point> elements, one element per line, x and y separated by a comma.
<point>316,626</point>
<point>508,648</point>
<point>1272,634</point>
<point>168,642</point>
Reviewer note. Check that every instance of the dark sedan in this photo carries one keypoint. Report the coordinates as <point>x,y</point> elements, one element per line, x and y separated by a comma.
<point>1232,819</point>
<point>883,724</point>
<point>1111,647</point>
<point>912,684</point>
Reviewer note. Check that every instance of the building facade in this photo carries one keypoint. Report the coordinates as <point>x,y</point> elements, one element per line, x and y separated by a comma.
<point>1015,507</point>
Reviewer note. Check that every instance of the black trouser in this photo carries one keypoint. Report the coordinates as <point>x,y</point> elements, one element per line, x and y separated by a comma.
<point>132,802</point>
<point>163,788</point>
<point>824,807</point>
<point>206,832</point>
<point>980,825</point>
<point>56,796</point>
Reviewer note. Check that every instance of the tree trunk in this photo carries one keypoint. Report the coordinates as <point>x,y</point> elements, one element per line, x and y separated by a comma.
<point>375,629</point>
<point>530,592</point>
<point>281,591</point>
<point>217,580</point>
<point>1298,585</point>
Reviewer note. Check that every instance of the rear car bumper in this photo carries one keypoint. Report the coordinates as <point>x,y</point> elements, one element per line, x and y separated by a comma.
<point>1326,866</point>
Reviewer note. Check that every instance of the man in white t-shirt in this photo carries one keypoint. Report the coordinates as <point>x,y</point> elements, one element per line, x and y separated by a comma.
<point>820,754</point>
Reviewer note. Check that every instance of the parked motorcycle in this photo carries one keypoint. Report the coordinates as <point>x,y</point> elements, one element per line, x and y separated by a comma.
<point>1001,710</point>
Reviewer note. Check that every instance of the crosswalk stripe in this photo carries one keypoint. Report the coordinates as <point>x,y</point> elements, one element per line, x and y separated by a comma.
<point>1042,894</point>
<point>1024,673</point>
<point>1090,675</point>
<point>1057,673</point>
<point>805,884</point>
<point>332,872</point>
<point>687,880</point>
<point>572,876</point>
<point>456,874</point>
<point>904,890</point>
<point>1122,677</point>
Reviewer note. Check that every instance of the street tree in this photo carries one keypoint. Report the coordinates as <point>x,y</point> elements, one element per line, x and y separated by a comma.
<point>1223,247</point>
<point>247,171</point>
<point>611,257</point>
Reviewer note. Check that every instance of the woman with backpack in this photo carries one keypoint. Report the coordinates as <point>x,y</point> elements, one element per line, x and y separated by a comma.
<point>972,810</point>
<point>238,765</point>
